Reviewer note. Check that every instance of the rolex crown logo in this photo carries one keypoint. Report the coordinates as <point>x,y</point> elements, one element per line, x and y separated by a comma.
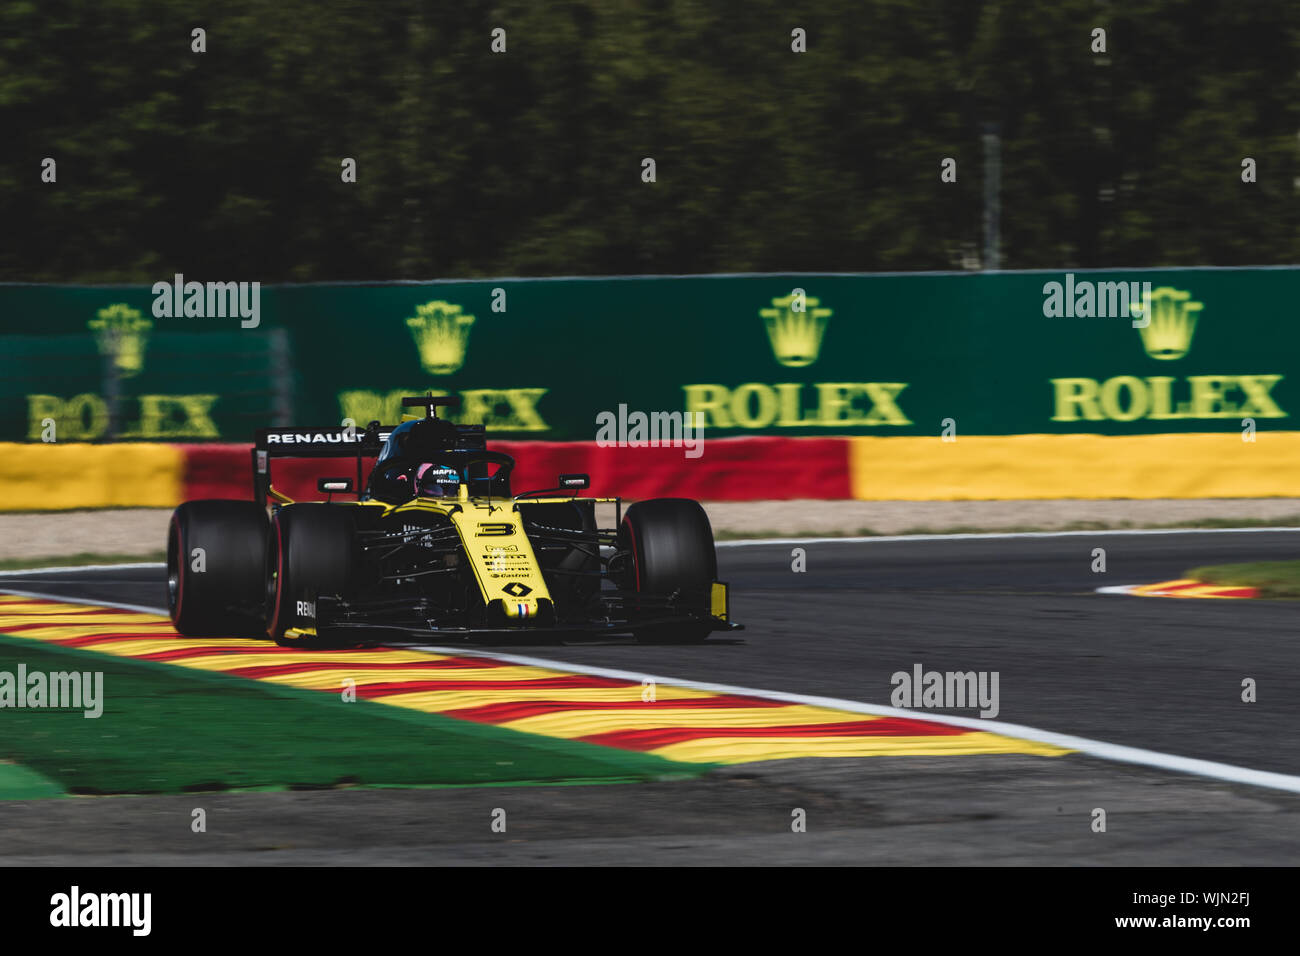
<point>122,333</point>
<point>1173,322</point>
<point>441,333</point>
<point>796,336</point>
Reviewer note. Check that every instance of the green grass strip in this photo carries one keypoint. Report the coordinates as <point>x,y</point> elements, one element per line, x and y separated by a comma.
<point>1274,579</point>
<point>23,783</point>
<point>169,729</point>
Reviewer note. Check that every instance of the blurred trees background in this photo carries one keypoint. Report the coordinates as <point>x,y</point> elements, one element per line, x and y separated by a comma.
<point>226,164</point>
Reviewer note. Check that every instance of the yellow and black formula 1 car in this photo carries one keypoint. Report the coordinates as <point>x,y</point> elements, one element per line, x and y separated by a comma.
<point>434,544</point>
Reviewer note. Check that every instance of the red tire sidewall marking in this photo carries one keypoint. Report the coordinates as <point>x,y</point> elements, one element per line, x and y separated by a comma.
<point>180,569</point>
<point>279,577</point>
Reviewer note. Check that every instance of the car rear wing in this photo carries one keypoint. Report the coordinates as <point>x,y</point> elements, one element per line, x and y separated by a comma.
<point>336,441</point>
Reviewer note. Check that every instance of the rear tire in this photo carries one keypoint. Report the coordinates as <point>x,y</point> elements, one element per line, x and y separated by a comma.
<point>670,543</point>
<point>215,556</point>
<point>311,551</point>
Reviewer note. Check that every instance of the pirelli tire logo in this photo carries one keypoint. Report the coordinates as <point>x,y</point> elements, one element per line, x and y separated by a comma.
<point>1167,336</point>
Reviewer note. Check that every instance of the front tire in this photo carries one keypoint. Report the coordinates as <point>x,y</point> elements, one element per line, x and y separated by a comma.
<point>215,554</point>
<point>670,546</point>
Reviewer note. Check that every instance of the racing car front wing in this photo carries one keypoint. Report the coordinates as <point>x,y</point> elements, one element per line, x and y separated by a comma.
<point>612,612</point>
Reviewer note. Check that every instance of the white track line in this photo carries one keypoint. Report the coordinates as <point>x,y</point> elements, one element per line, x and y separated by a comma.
<point>24,572</point>
<point>1125,589</point>
<point>995,536</point>
<point>1093,748</point>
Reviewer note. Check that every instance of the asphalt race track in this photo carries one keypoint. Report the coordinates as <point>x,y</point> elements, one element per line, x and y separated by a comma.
<point>1159,674</point>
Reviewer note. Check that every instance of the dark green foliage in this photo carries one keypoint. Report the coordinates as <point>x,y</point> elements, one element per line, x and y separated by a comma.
<point>226,164</point>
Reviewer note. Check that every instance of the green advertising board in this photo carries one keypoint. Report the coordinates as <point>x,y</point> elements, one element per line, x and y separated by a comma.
<point>1007,353</point>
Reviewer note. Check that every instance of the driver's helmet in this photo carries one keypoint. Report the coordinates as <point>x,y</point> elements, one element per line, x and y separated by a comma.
<point>408,465</point>
<point>436,481</point>
<point>423,440</point>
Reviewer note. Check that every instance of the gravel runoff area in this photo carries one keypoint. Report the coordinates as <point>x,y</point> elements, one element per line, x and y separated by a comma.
<point>141,532</point>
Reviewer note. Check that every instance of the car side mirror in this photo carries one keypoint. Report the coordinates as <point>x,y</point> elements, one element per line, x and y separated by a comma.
<point>335,485</point>
<point>578,482</point>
